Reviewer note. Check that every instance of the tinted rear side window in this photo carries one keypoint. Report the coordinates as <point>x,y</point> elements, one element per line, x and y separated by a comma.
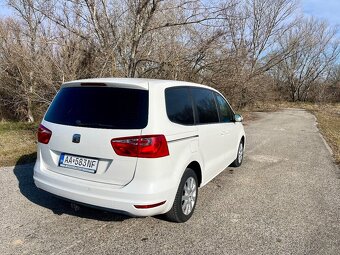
<point>205,105</point>
<point>226,114</point>
<point>179,105</point>
<point>100,107</point>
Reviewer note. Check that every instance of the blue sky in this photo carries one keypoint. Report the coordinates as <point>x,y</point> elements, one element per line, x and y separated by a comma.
<point>328,10</point>
<point>3,9</point>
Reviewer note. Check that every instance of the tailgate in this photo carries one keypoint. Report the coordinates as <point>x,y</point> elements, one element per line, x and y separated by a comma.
<point>94,144</point>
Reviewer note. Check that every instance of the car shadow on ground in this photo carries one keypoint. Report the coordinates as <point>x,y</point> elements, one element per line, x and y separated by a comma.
<point>24,174</point>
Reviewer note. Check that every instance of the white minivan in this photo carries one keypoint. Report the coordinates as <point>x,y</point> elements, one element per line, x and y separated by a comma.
<point>136,146</point>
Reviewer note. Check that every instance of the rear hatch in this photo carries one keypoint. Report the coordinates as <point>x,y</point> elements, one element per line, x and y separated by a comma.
<point>83,120</point>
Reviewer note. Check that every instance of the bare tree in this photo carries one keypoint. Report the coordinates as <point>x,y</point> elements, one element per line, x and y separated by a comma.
<point>252,29</point>
<point>241,47</point>
<point>31,22</point>
<point>314,51</point>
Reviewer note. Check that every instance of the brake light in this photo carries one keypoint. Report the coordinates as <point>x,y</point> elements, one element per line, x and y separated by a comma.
<point>145,146</point>
<point>44,134</point>
<point>93,84</point>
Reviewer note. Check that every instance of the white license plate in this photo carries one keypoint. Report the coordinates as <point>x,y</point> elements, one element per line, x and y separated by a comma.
<point>78,163</point>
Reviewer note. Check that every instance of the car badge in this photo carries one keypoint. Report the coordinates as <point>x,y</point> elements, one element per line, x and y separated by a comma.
<point>76,138</point>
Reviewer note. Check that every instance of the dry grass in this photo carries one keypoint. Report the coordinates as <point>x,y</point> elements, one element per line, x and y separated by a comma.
<point>17,143</point>
<point>328,118</point>
<point>329,124</point>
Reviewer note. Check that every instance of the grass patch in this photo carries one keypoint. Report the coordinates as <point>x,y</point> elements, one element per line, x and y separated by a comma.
<point>17,143</point>
<point>328,117</point>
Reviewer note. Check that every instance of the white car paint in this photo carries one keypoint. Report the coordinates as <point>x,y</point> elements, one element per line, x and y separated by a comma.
<point>122,182</point>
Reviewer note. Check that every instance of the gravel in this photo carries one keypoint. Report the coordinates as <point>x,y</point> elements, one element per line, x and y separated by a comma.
<point>284,199</point>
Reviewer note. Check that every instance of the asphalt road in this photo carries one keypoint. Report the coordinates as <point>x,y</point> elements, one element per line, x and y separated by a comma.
<point>285,199</point>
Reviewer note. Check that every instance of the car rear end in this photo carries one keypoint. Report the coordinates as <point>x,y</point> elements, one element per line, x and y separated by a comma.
<point>89,144</point>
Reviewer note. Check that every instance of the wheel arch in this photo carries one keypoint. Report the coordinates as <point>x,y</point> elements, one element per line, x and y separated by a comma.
<point>243,139</point>
<point>194,165</point>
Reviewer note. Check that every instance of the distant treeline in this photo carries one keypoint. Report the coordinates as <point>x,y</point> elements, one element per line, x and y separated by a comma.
<point>251,50</point>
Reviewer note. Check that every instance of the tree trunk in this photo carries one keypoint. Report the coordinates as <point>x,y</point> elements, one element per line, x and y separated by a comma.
<point>29,116</point>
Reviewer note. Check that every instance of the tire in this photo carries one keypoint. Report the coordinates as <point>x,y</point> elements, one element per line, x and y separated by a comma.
<point>184,204</point>
<point>239,158</point>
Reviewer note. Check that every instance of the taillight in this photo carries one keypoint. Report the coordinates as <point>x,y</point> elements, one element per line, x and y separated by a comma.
<point>145,146</point>
<point>44,134</point>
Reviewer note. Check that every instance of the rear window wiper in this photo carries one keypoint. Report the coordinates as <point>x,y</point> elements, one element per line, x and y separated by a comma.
<point>93,124</point>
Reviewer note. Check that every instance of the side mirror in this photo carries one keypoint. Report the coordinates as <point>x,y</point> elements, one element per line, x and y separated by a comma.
<point>238,118</point>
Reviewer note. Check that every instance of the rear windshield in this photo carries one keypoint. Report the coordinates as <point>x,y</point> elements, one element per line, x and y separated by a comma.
<point>98,107</point>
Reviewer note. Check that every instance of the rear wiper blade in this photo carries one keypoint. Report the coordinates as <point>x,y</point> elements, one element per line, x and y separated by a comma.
<point>106,125</point>
<point>93,124</point>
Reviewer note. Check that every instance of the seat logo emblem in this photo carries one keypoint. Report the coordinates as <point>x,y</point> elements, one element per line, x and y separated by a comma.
<point>76,138</point>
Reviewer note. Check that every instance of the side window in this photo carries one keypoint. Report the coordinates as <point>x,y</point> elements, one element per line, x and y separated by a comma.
<point>226,114</point>
<point>205,105</point>
<point>179,105</point>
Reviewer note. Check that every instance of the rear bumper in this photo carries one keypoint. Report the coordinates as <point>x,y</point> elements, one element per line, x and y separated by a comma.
<point>106,195</point>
